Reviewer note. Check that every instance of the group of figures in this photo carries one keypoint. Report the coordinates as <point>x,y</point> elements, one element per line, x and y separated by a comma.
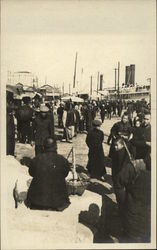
<point>130,152</point>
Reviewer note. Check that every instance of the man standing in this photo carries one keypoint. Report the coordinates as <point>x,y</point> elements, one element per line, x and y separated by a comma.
<point>24,118</point>
<point>77,119</point>
<point>121,129</point>
<point>42,128</point>
<point>94,140</point>
<point>10,131</point>
<point>48,187</point>
<point>68,123</point>
<point>60,111</point>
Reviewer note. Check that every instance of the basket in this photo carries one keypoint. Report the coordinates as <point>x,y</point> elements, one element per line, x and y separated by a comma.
<point>76,187</point>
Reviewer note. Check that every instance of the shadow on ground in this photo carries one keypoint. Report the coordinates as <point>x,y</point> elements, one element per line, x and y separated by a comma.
<point>107,227</point>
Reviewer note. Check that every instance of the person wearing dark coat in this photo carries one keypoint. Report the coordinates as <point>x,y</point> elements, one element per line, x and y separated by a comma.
<point>142,138</point>
<point>48,188</point>
<point>121,129</point>
<point>102,112</point>
<point>88,117</point>
<point>42,128</point>
<point>138,140</point>
<point>109,110</point>
<point>60,111</point>
<point>77,119</point>
<point>68,123</point>
<point>24,116</point>
<point>10,131</point>
<point>94,140</point>
<point>133,193</point>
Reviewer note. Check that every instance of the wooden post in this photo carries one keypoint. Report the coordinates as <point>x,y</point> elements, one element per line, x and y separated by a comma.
<point>74,164</point>
<point>75,71</point>
<point>115,79</point>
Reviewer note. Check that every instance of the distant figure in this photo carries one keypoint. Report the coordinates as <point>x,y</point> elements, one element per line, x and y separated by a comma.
<point>24,116</point>
<point>60,111</point>
<point>76,119</point>
<point>68,123</point>
<point>48,187</point>
<point>88,116</point>
<point>94,140</point>
<point>42,128</point>
<point>102,112</point>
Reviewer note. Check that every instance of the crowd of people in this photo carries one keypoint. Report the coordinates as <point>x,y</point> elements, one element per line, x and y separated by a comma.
<point>130,152</point>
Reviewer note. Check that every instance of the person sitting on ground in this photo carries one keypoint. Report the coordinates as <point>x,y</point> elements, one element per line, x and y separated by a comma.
<point>94,140</point>
<point>48,188</point>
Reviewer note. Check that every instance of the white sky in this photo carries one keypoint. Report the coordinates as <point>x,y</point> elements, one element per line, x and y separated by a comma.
<point>42,36</point>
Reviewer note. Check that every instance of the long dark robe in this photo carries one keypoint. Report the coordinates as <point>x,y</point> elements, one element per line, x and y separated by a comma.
<point>96,164</point>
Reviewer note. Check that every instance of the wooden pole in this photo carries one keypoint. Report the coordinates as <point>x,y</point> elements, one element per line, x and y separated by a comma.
<point>74,164</point>
<point>115,78</point>
<point>74,79</point>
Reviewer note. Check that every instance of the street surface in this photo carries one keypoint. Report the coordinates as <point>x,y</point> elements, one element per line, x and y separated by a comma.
<point>44,229</point>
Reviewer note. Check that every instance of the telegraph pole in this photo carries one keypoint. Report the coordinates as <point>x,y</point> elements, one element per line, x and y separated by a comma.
<point>75,71</point>
<point>118,77</point>
<point>115,78</point>
<point>69,89</point>
<point>63,88</point>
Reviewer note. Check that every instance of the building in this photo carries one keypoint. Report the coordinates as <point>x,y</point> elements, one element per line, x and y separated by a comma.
<point>23,77</point>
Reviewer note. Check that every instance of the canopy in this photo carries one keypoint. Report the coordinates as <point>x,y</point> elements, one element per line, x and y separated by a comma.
<point>72,98</point>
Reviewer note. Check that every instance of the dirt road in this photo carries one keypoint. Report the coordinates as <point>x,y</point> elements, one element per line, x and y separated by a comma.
<point>27,229</point>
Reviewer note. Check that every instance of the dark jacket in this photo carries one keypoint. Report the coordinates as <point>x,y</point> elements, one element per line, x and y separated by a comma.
<point>48,187</point>
<point>10,133</point>
<point>96,163</point>
<point>140,136</point>
<point>133,194</point>
<point>77,116</point>
<point>70,121</point>
<point>138,142</point>
<point>118,129</point>
<point>42,128</point>
<point>60,111</point>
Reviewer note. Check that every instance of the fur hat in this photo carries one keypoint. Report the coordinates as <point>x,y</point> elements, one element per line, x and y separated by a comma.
<point>96,123</point>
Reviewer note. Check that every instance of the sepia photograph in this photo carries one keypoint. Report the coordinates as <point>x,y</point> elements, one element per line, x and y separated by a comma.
<point>78,124</point>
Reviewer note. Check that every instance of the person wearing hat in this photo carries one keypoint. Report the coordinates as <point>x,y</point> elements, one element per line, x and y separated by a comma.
<point>94,140</point>
<point>42,128</point>
<point>24,115</point>
<point>48,188</point>
<point>10,131</point>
